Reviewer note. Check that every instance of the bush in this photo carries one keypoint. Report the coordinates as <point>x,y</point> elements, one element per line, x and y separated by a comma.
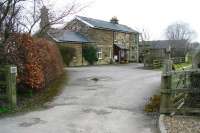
<point>67,54</point>
<point>90,54</point>
<point>38,61</point>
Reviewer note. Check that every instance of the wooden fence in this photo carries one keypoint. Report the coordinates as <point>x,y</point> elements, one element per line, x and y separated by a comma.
<point>155,62</point>
<point>178,60</point>
<point>180,91</point>
<point>8,84</point>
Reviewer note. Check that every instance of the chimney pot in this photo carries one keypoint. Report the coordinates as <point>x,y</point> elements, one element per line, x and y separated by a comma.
<point>114,20</point>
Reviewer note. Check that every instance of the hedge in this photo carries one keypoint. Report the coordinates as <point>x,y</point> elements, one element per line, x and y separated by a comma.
<point>90,54</point>
<point>67,54</point>
<point>39,61</point>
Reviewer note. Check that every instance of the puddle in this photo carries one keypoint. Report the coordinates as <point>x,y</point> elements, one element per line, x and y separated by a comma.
<point>59,104</point>
<point>98,112</point>
<point>96,78</point>
<point>124,109</point>
<point>70,98</point>
<point>32,122</point>
<point>91,89</point>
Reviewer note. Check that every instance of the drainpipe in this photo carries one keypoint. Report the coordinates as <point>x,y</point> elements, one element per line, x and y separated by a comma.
<point>113,45</point>
<point>82,52</point>
<point>119,58</point>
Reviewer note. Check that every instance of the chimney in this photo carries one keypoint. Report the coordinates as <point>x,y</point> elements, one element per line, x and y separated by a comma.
<point>44,23</point>
<point>114,20</point>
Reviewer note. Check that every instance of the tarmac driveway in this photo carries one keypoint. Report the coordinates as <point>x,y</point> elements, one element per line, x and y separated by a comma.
<point>100,99</point>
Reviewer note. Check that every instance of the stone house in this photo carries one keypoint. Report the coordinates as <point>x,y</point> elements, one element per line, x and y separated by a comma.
<point>114,42</point>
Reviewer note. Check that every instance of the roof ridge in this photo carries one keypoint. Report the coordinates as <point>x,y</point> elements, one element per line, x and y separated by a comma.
<point>94,23</point>
<point>93,18</point>
<point>102,20</point>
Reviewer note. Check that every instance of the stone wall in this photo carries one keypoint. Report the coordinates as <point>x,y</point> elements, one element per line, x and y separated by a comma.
<point>131,41</point>
<point>77,26</point>
<point>123,39</point>
<point>103,39</point>
<point>134,47</point>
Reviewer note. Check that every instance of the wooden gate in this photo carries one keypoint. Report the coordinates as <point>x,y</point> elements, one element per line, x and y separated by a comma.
<point>180,91</point>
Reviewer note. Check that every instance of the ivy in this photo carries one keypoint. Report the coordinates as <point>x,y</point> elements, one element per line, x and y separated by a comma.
<point>67,54</point>
<point>90,54</point>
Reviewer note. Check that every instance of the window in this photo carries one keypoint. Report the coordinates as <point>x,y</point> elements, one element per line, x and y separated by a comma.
<point>99,53</point>
<point>127,36</point>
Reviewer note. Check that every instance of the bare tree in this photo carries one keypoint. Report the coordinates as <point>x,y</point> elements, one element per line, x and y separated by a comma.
<point>9,11</point>
<point>32,18</point>
<point>145,36</point>
<point>179,31</point>
<point>24,16</point>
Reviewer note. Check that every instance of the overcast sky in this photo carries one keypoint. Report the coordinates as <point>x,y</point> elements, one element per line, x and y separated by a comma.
<point>152,15</point>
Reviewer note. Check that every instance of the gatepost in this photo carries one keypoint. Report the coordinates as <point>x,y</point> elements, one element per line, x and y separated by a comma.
<point>11,85</point>
<point>166,83</point>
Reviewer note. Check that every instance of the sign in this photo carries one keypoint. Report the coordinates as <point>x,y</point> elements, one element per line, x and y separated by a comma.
<point>13,70</point>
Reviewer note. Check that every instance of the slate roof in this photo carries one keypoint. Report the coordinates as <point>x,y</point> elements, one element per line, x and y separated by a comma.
<point>162,44</point>
<point>59,35</point>
<point>95,23</point>
<point>121,46</point>
<point>195,45</point>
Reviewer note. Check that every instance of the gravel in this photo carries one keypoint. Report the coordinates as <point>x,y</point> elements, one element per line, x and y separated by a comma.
<point>182,124</point>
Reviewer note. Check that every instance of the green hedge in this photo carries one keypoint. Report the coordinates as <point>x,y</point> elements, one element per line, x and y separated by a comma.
<point>90,54</point>
<point>67,54</point>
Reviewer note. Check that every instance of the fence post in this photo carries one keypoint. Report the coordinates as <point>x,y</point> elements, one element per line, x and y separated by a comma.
<point>166,83</point>
<point>11,85</point>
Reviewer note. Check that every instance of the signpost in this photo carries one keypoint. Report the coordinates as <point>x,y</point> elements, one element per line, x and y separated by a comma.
<point>11,85</point>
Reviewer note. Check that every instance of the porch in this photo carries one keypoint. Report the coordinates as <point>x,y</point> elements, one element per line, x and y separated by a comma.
<point>120,53</point>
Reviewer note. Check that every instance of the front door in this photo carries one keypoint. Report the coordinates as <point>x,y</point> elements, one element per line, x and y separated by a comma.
<point>123,55</point>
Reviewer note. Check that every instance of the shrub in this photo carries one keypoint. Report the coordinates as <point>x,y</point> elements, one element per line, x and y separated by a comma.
<point>67,54</point>
<point>38,61</point>
<point>51,60</point>
<point>90,54</point>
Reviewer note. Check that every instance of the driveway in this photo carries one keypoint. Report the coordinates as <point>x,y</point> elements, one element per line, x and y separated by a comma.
<point>100,99</point>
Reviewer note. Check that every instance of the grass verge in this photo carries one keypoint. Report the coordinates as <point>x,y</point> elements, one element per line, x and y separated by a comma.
<point>36,101</point>
<point>182,66</point>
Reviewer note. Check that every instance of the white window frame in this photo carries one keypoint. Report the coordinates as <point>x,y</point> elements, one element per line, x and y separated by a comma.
<point>100,53</point>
